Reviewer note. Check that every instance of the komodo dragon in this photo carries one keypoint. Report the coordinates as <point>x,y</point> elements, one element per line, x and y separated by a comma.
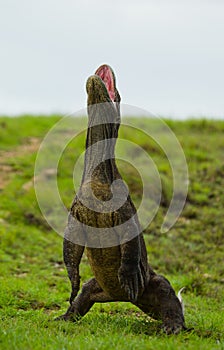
<point>121,270</point>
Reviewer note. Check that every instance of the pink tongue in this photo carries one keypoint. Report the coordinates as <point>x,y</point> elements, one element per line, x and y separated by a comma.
<point>105,74</point>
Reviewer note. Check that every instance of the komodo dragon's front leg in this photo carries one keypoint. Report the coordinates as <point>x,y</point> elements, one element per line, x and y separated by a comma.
<point>131,274</point>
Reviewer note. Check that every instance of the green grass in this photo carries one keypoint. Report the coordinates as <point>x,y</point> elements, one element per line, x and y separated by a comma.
<point>34,285</point>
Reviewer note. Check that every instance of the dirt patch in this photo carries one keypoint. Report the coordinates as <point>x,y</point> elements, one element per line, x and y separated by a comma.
<point>5,171</point>
<point>32,144</point>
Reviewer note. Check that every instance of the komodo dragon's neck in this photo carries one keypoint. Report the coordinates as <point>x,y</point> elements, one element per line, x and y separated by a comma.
<point>103,124</point>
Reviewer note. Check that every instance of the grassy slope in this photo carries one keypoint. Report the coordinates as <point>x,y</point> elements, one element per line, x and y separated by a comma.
<point>34,284</point>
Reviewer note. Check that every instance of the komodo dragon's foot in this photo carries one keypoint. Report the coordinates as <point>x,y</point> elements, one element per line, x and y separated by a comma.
<point>173,328</point>
<point>61,318</point>
<point>173,325</point>
<point>171,309</point>
<point>68,317</point>
<point>171,312</point>
<point>160,302</point>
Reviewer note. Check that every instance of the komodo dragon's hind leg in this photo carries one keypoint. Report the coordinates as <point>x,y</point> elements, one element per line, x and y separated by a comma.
<point>160,302</point>
<point>91,293</point>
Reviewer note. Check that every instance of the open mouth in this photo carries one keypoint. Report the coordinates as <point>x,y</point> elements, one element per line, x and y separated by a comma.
<point>106,74</point>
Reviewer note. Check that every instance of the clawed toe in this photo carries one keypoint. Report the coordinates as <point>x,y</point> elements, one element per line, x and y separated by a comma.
<point>173,328</point>
<point>68,317</point>
<point>61,318</point>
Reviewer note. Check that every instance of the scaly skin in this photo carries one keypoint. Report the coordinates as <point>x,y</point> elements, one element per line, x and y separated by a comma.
<point>122,272</point>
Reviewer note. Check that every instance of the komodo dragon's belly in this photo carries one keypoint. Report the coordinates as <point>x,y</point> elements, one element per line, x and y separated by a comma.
<point>103,247</point>
<point>105,263</point>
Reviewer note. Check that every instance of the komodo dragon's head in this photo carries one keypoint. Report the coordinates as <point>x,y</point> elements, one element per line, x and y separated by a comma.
<point>102,91</point>
<point>103,105</point>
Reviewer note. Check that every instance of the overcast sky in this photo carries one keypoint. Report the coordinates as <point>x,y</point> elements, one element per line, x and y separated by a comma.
<point>168,55</point>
